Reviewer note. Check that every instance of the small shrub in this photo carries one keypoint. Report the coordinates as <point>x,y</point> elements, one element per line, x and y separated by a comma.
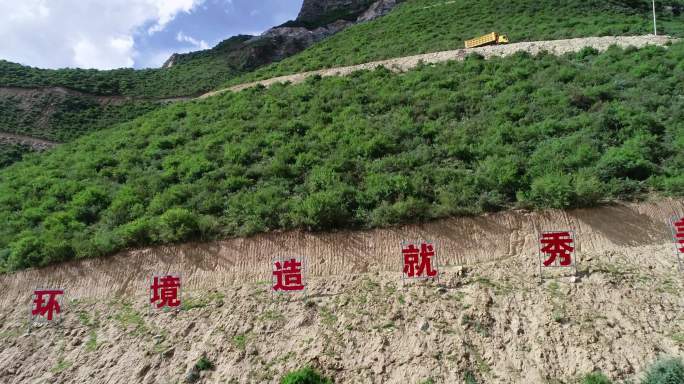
<point>470,378</point>
<point>305,375</point>
<point>203,364</point>
<point>667,371</point>
<point>596,378</point>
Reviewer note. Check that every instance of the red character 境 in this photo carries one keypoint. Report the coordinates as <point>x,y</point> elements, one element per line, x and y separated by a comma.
<point>419,263</point>
<point>51,306</point>
<point>288,275</point>
<point>165,291</point>
<point>557,245</point>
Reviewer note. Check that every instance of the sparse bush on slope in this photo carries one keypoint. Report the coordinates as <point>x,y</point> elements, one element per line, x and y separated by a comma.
<point>305,375</point>
<point>372,149</point>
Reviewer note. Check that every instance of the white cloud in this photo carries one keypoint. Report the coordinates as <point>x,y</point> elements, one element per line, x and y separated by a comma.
<point>83,33</point>
<point>183,38</point>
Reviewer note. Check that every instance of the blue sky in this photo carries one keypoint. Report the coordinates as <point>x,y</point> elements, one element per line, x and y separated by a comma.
<point>107,34</point>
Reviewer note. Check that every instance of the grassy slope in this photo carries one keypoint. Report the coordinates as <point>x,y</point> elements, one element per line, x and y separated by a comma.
<point>420,26</point>
<point>192,74</point>
<point>368,150</point>
<point>68,116</point>
<point>11,153</point>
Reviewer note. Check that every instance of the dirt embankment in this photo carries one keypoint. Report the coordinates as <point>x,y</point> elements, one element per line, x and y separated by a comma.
<point>34,143</point>
<point>556,47</point>
<point>488,314</point>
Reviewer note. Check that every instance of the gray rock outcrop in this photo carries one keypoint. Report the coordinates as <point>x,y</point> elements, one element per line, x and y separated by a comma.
<point>317,20</point>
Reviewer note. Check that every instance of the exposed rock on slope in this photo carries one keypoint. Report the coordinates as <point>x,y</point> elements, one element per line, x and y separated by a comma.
<point>32,142</point>
<point>315,10</point>
<point>317,20</point>
<point>358,323</point>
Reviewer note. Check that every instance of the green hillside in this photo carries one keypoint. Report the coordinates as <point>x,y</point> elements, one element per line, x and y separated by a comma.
<point>63,118</point>
<point>11,153</point>
<point>372,149</point>
<point>193,74</point>
<point>421,26</point>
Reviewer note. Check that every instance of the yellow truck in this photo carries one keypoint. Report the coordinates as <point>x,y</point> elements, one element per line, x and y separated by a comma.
<point>492,38</point>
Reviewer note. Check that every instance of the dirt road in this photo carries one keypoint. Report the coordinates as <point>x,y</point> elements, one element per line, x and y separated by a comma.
<point>557,47</point>
<point>35,143</point>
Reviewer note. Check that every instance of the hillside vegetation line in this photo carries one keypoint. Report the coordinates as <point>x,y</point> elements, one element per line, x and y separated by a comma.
<point>636,228</point>
<point>556,47</point>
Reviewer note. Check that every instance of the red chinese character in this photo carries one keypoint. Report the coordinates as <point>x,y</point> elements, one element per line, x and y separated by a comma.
<point>557,244</point>
<point>679,235</point>
<point>52,305</point>
<point>413,258</point>
<point>165,291</point>
<point>288,276</point>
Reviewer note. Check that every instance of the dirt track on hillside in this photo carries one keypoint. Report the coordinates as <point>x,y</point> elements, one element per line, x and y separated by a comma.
<point>359,323</point>
<point>556,47</point>
<point>35,143</point>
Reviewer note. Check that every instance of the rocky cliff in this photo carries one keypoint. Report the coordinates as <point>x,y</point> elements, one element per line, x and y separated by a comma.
<point>317,20</point>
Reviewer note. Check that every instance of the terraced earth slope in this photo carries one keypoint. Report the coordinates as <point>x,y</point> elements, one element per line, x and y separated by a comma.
<point>489,317</point>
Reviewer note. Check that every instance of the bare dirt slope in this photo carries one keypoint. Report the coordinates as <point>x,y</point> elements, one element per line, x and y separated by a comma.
<point>556,47</point>
<point>488,314</point>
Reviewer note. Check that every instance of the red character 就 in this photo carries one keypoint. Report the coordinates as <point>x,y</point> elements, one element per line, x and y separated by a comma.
<point>418,263</point>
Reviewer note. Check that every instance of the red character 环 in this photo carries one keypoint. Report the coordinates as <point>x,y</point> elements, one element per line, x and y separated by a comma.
<point>418,262</point>
<point>165,291</point>
<point>288,275</point>
<point>558,246</point>
<point>46,308</point>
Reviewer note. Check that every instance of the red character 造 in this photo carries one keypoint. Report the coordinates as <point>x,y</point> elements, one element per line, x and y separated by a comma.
<point>419,263</point>
<point>165,291</point>
<point>288,275</point>
<point>50,307</point>
<point>679,234</point>
<point>557,245</point>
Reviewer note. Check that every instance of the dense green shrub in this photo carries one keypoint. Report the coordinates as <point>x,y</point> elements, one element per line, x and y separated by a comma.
<point>372,149</point>
<point>11,153</point>
<point>596,378</point>
<point>305,375</point>
<point>203,364</point>
<point>666,371</point>
<point>470,378</point>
